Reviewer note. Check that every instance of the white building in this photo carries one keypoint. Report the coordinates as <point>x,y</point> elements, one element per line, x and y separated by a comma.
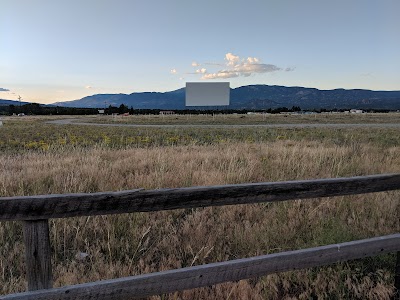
<point>167,112</point>
<point>356,111</point>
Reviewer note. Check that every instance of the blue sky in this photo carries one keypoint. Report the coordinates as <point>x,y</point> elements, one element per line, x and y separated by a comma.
<point>64,50</point>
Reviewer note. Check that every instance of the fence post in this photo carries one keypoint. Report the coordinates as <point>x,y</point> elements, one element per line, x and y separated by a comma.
<point>38,254</point>
<point>397,278</point>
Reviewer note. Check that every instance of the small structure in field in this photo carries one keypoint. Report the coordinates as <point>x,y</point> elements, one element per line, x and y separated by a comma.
<point>356,111</point>
<point>167,112</point>
<point>101,111</point>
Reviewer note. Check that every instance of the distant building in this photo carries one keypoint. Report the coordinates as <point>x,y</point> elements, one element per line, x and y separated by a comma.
<point>101,111</point>
<point>356,111</point>
<point>167,112</point>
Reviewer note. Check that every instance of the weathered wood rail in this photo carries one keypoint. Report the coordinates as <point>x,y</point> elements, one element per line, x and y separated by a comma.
<point>35,211</point>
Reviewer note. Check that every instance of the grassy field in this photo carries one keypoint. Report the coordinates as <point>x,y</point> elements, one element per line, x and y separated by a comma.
<point>246,119</point>
<point>37,158</point>
<point>31,133</point>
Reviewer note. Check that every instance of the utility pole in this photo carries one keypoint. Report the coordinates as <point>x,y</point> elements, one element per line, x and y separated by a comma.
<point>19,98</point>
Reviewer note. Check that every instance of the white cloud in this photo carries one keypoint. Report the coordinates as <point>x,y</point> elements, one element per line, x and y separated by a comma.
<point>232,59</point>
<point>201,71</point>
<point>235,67</point>
<point>174,71</point>
<point>220,75</point>
<point>249,68</point>
<point>289,69</point>
<point>253,60</point>
<point>88,87</point>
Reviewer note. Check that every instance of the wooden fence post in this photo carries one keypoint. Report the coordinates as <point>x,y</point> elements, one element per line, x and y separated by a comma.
<point>38,255</point>
<point>397,278</point>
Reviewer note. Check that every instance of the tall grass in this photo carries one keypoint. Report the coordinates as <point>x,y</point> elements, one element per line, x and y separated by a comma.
<point>25,136</point>
<point>323,118</point>
<point>129,244</point>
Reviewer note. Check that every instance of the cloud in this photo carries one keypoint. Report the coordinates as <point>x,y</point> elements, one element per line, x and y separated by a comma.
<point>4,90</point>
<point>235,66</point>
<point>201,71</point>
<point>231,59</point>
<point>249,68</point>
<point>88,87</point>
<point>253,60</point>
<point>174,71</point>
<point>220,75</point>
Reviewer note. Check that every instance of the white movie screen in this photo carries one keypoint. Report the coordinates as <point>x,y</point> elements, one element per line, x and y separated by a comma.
<point>207,93</point>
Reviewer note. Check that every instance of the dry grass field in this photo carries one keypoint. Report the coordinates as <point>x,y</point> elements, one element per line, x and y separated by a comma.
<point>37,158</point>
<point>246,119</point>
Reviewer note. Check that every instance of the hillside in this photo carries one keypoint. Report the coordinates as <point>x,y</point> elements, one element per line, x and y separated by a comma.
<point>253,97</point>
<point>11,102</point>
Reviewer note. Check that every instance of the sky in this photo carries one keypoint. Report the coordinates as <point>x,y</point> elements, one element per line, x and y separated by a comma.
<point>54,50</point>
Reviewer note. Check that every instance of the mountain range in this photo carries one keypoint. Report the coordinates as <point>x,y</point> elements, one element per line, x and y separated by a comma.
<point>253,97</point>
<point>249,97</point>
<point>4,102</point>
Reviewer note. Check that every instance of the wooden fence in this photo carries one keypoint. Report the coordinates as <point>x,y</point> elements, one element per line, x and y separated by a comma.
<point>34,212</point>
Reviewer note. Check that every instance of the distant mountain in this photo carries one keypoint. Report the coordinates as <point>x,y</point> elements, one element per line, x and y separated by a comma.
<point>253,97</point>
<point>153,100</point>
<point>11,102</point>
<point>95,101</point>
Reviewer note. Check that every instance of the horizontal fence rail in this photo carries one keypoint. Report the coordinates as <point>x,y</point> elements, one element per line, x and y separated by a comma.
<point>73,205</point>
<point>205,275</point>
<point>35,211</point>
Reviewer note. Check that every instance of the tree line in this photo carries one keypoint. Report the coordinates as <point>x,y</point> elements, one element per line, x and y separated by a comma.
<point>38,109</point>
